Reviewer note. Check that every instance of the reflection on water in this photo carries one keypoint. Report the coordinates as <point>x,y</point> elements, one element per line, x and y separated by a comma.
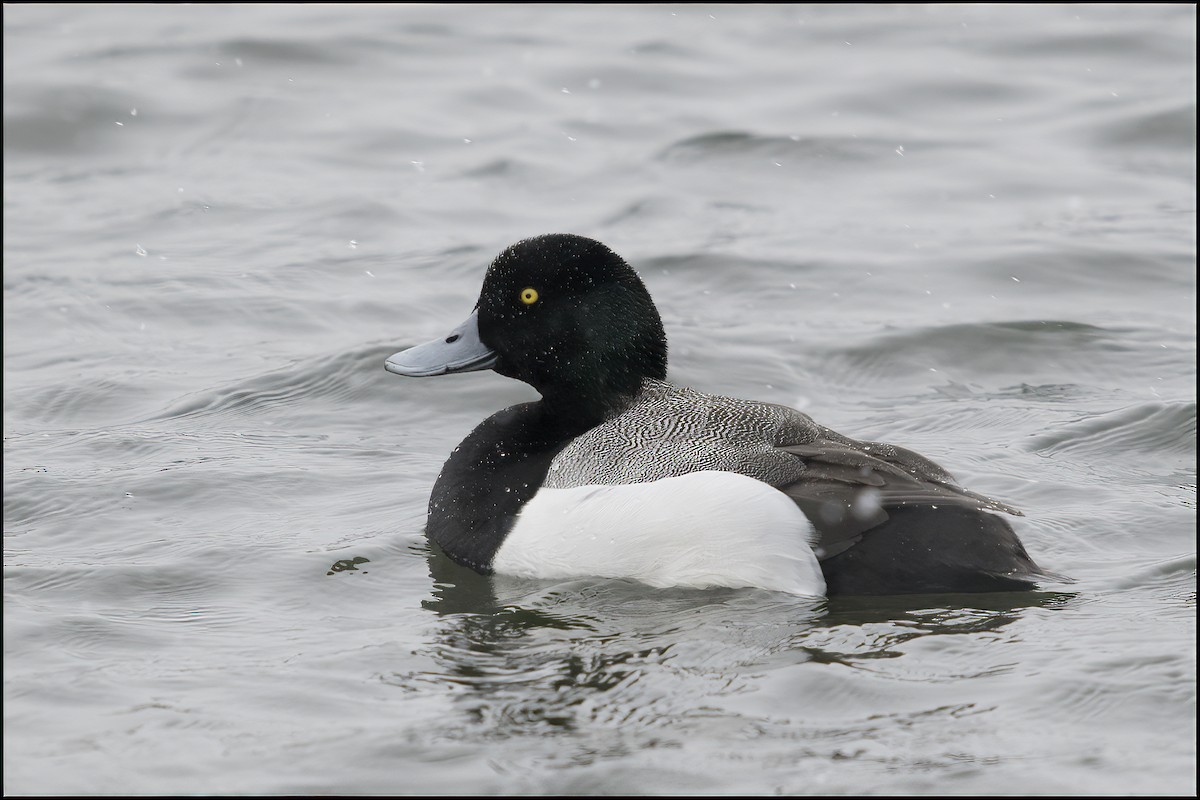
<point>348,564</point>
<point>554,657</point>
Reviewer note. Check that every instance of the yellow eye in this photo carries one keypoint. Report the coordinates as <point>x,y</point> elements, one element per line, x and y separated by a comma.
<point>529,295</point>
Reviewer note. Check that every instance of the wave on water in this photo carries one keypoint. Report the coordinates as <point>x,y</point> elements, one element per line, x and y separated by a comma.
<point>1026,350</point>
<point>1159,428</point>
<point>339,376</point>
<point>852,150</point>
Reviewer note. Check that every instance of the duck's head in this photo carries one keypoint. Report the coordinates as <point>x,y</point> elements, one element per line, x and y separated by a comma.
<point>560,312</point>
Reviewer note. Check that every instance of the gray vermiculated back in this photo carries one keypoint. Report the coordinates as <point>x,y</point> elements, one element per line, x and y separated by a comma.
<point>670,431</point>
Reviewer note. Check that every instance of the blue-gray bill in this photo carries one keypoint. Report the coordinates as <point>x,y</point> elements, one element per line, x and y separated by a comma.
<point>461,351</point>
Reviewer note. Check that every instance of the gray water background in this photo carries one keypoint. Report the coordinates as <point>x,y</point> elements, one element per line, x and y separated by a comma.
<point>969,230</point>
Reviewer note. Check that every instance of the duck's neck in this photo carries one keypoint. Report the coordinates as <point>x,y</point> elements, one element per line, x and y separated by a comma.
<point>581,408</point>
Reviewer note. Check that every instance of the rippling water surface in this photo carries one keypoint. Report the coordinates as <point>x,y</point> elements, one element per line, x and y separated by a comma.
<point>966,230</point>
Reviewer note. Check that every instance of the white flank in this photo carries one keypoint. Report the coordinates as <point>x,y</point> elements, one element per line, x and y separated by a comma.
<point>702,529</point>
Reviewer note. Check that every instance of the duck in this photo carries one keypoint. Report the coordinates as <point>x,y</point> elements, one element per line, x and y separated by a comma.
<point>618,473</point>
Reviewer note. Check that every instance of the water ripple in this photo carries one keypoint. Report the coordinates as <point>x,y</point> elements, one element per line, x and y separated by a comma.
<point>1158,428</point>
<point>341,376</point>
<point>738,145</point>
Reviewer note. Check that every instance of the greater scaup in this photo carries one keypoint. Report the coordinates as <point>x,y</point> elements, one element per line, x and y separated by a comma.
<point>617,473</point>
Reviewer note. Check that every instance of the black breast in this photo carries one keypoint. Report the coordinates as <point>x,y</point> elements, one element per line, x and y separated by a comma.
<point>489,478</point>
